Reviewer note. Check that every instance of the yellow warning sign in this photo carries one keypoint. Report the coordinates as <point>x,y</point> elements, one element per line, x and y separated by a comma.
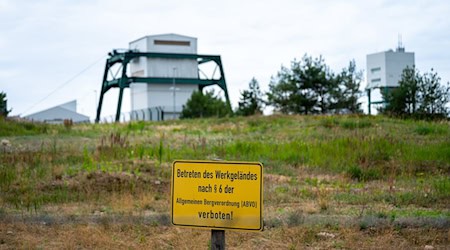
<point>217,194</point>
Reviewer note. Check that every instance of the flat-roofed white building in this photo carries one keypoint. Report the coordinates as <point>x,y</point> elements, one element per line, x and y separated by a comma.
<point>57,114</point>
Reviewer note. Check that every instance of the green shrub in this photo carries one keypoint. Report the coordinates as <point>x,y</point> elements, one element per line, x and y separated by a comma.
<point>329,122</point>
<point>14,128</point>
<point>355,172</point>
<point>352,124</point>
<point>430,129</point>
<point>442,186</point>
<point>364,174</point>
<point>295,218</point>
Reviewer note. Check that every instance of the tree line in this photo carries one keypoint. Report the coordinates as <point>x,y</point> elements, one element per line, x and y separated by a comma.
<point>418,95</point>
<point>309,86</point>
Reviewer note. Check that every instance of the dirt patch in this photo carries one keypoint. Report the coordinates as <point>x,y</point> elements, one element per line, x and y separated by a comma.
<point>274,178</point>
<point>170,127</point>
<point>107,235</point>
<point>99,181</point>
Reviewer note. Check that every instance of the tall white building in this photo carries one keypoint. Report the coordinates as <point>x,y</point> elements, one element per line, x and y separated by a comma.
<point>170,98</point>
<point>384,71</point>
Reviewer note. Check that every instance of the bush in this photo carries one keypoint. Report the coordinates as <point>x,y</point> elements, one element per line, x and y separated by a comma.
<point>360,174</point>
<point>205,105</point>
<point>351,124</point>
<point>355,172</point>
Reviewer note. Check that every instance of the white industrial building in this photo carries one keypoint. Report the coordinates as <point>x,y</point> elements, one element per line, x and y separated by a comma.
<point>384,71</point>
<point>57,114</point>
<point>170,98</point>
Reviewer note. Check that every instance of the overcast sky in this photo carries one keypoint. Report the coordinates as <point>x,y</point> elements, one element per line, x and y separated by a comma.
<point>45,44</point>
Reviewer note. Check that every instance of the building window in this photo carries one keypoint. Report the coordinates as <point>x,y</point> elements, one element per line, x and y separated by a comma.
<point>175,43</point>
<point>138,73</point>
<point>376,80</point>
<point>374,70</point>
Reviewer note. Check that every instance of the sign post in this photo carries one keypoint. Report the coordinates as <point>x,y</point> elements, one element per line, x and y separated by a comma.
<point>217,239</point>
<point>217,195</point>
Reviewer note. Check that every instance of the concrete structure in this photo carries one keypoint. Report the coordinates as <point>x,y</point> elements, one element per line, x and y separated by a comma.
<point>384,71</point>
<point>57,115</point>
<point>170,98</point>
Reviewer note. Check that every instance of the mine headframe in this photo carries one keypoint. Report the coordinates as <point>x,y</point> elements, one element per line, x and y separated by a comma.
<point>121,79</point>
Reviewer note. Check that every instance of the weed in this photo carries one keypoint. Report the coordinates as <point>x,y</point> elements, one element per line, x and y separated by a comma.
<point>329,122</point>
<point>136,126</point>
<point>88,161</point>
<point>442,186</point>
<point>420,222</point>
<point>160,149</point>
<point>323,198</point>
<point>68,123</point>
<point>163,219</point>
<point>367,174</point>
<point>281,189</point>
<point>307,193</point>
<point>295,218</point>
<point>370,221</point>
<point>358,124</point>
<point>355,172</point>
<point>312,181</point>
<point>273,222</point>
<point>8,176</point>
<point>429,129</point>
<point>140,151</point>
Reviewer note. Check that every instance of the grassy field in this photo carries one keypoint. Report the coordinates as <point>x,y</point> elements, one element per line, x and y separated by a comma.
<point>344,182</point>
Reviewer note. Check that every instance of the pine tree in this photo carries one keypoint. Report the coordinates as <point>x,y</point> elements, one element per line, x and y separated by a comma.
<point>420,96</point>
<point>3,105</point>
<point>318,81</point>
<point>402,101</point>
<point>434,96</point>
<point>204,105</point>
<point>349,81</point>
<point>283,92</point>
<point>295,90</point>
<point>310,87</point>
<point>251,100</point>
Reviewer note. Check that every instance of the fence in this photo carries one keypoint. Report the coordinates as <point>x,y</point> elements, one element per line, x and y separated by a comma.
<point>149,114</point>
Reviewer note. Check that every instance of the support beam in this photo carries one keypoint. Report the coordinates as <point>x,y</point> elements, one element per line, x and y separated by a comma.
<point>122,84</point>
<point>223,85</point>
<point>119,105</point>
<point>102,92</point>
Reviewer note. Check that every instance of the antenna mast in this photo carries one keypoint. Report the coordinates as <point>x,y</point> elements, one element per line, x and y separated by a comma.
<point>400,47</point>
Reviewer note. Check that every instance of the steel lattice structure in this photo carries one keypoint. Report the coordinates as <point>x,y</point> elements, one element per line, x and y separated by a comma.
<point>124,81</point>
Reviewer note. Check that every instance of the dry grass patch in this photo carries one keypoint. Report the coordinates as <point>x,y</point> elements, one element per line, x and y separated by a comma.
<point>274,178</point>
